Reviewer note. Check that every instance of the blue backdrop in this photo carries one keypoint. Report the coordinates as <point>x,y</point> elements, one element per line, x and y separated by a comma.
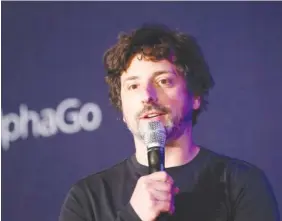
<point>58,125</point>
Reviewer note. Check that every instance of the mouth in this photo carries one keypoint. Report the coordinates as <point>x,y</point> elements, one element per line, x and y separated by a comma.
<point>152,115</point>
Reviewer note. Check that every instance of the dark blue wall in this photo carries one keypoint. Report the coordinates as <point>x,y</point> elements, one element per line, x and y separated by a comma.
<point>53,51</point>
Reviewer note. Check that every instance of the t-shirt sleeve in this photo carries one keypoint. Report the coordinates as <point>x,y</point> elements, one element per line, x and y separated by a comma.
<point>254,199</point>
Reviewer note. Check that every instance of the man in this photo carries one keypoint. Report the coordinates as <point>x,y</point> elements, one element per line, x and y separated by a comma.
<point>156,74</point>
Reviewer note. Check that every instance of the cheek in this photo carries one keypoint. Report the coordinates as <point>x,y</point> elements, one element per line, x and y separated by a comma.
<point>128,108</point>
<point>180,103</point>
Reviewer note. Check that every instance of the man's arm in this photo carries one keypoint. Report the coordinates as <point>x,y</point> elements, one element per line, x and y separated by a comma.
<point>78,207</point>
<point>254,199</point>
<point>74,206</point>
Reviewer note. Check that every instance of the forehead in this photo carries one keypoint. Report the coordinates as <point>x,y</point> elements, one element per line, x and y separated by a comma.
<point>142,67</point>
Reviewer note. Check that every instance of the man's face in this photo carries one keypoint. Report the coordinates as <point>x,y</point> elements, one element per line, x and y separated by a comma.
<point>154,91</point>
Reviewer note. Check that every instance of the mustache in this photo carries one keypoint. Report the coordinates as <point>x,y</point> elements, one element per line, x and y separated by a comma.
<point>153,107</point>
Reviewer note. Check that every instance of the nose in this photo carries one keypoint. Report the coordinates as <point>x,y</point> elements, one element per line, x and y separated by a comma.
<point>148,94</point>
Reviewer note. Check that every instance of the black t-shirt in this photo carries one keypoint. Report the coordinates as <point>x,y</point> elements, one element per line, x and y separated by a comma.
<point>212,188</point>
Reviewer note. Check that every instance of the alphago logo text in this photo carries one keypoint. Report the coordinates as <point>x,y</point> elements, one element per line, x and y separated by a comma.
<point>70,116</point>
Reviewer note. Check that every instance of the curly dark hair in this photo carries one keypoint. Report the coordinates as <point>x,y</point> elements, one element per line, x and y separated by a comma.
<point>156,42</point>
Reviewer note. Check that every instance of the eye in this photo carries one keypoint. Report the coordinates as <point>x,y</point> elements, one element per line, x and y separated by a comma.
<point>132,86</point>
<point>165,82</point>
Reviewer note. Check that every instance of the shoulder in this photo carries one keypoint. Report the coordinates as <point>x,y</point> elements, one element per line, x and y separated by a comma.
<point>237,173</point>
<point>248,188</point>
<point>241,176</point>
<point>236,167</point>
<point>96,181</point>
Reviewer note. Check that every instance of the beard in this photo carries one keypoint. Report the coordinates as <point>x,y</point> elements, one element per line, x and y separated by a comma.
<point>174,125</point>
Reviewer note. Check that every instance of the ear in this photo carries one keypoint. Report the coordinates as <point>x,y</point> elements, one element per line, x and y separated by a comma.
<point>196,102</point>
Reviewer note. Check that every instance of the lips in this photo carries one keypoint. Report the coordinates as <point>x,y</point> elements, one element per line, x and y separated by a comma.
<point>151,115</point>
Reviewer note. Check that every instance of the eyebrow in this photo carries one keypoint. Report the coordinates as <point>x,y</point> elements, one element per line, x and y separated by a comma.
<point>155,74</point>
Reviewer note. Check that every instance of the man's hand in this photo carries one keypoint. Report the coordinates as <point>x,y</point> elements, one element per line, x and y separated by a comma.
<point>152,195</point>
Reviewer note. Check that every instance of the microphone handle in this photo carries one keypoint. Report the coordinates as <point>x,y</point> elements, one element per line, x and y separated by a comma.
<point>156,163</point>
<point>156,159</point>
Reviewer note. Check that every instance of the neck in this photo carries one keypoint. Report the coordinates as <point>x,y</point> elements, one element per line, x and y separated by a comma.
<point>177,152</point>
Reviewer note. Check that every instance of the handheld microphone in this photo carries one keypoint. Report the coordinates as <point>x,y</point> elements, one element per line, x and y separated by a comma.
<point>155,138</point>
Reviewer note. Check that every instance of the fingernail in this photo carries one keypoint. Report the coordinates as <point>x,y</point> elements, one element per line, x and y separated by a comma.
<point>171,211</point>
<point>177,190</point>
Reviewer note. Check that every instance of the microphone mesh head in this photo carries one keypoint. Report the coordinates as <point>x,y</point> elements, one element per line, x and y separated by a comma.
<point>154,134</point>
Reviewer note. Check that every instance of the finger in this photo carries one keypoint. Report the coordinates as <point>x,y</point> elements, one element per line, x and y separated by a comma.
<point>176,190</point>
<point>172,209</point>
<point>161,195</point>
<point>163,206</point>
<point>161,186</point>
<point>166,187</point>
<point>161,176</point>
